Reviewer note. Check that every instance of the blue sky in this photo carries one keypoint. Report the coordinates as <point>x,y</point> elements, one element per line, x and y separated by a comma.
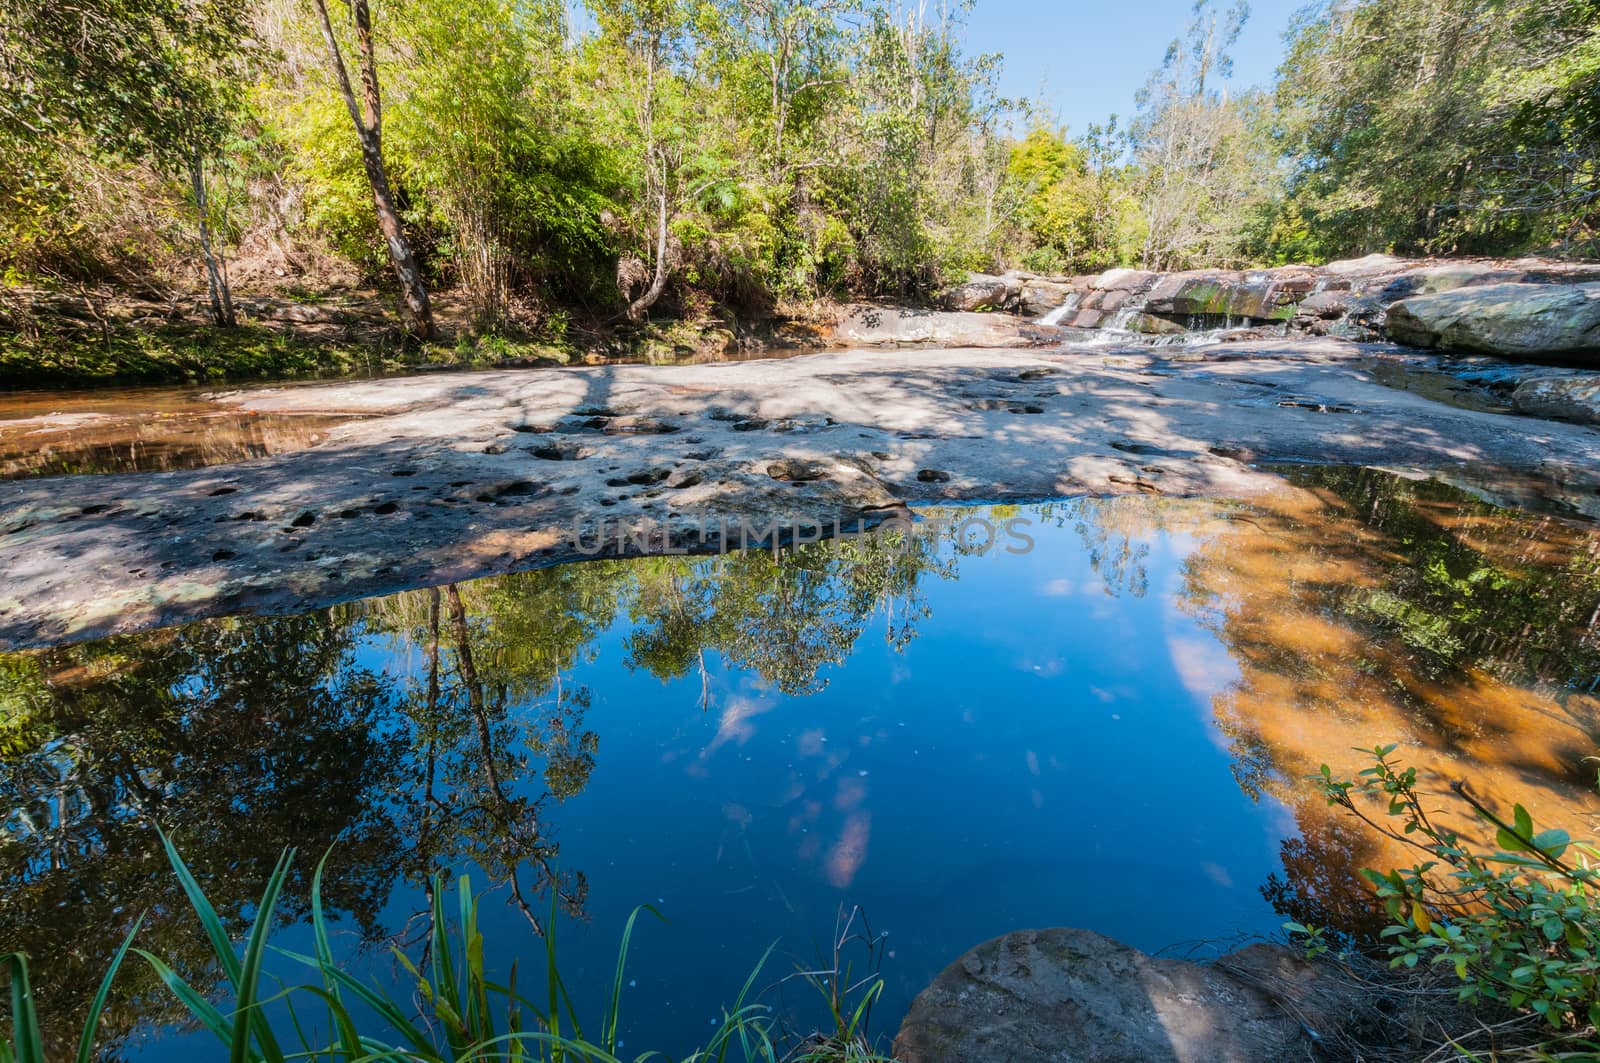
<point>1086,60</point>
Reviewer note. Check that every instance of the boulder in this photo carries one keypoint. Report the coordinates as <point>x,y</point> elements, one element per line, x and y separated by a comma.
<point>1568,398</point>
<point>1074,996</point>
<point>1535,322</point>
<point>1430,279</point>
<point>1294,281</point>
<point>1124,280</point>
<point>1325,305</point>
<point>1221,294</point>
<point>886,326</point>
<point>1369,266</point>
<point>983,290</point>
<point>1042,296</point>
<point>1151,325</point>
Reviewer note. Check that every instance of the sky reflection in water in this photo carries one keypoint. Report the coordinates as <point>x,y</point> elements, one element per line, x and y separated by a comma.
<point>1107,731</point>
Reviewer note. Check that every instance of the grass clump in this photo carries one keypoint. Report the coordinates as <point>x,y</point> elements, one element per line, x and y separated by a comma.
<point>459,1013</point>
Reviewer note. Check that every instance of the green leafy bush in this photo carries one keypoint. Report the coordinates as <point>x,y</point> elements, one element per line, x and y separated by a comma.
<point>1518,923</point>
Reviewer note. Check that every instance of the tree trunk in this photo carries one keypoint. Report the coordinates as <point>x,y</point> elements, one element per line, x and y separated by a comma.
<point>216,271</point>
<point>369,132</point>
<point>658,282</point>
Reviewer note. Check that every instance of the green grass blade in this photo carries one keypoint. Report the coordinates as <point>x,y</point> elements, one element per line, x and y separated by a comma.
<point>29,1045</point>
<point>867,1000</point>
<point>349,1038</point>
<point>739,1007</point>
<point>91,1022</point>
<point>479,1021</point>
<point>209,922</point>
<point>350,1043</point>
<point>608,1031</point>
<point>201,1008</point>
<point>248,1017</point>
<point>382,1005</point>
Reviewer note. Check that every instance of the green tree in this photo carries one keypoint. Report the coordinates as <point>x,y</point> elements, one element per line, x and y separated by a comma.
<point>153,80</point>
<point>1200,169</point>
<point>1443,126</point>
<point>367,117</point>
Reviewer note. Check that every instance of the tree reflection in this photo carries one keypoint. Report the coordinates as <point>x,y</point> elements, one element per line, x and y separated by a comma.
<point>428,730</point>
<point>239,737</point>
<point>1366,608</point>
<point>782,615</point>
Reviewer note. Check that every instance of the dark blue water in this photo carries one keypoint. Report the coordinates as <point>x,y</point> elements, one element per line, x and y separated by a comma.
<point>951,743</point>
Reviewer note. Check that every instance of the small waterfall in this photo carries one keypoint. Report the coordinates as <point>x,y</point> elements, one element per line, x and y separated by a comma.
<point>1119,320</point>
<point>1060,313</point>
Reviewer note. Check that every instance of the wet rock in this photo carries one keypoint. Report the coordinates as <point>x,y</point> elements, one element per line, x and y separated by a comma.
<point>893,326</point>
<point>1534,322</point>
<point>1151,325</point>
<point>1213,294</point>
<point>1125,280</point>
<point>1569,398</point>
<point>984,291</point>
<point>1074,996</point>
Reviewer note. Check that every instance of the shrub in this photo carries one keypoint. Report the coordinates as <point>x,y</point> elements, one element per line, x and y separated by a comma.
<point>1518,923</point>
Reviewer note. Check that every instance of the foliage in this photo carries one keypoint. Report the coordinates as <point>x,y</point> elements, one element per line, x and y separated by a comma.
<point>1201,168</point>
<point>1519,924</point>
<point>465,1013</point>
<point>179,353</point>
<point>719,160</point>
<point>1444,125</point>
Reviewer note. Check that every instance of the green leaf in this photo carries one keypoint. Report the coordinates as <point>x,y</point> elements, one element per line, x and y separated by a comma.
<point>1552,842</point>
<point>24,1016</point>
<point>91,1022</point>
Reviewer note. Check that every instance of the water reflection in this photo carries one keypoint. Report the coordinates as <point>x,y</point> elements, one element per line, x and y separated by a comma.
<point>1367,609</point>
<point>1052,738</point>
<point>102,436</point>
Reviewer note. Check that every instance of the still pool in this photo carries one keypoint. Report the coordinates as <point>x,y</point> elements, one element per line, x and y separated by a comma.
<point>1105,721</point>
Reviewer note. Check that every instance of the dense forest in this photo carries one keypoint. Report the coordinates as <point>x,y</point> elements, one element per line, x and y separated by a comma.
<point>630,158</point>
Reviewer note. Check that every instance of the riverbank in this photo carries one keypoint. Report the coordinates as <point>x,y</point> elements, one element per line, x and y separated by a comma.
<point>106,337</point>
<point>436,478</point>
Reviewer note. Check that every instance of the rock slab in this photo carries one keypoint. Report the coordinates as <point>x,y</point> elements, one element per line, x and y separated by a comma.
<point>1531,321</point>
<point>1569,398</point>
<point>1075,996</point>
<point>889,326</point>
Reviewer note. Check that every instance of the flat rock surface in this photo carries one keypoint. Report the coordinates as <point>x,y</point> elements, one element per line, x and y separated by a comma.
<point>1074,996</point>
<point>452,476</point>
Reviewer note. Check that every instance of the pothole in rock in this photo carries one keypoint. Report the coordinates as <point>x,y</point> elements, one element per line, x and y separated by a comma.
<point>692,478</point>
<point>560,452</point>
<point>613,426</point>
<point>512,489</point>
<point>796,470</point>
<point>640,478</point>
<point>1300,402</point>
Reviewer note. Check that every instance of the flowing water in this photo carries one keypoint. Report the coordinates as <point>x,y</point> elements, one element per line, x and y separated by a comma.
<point>1101,718</point>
